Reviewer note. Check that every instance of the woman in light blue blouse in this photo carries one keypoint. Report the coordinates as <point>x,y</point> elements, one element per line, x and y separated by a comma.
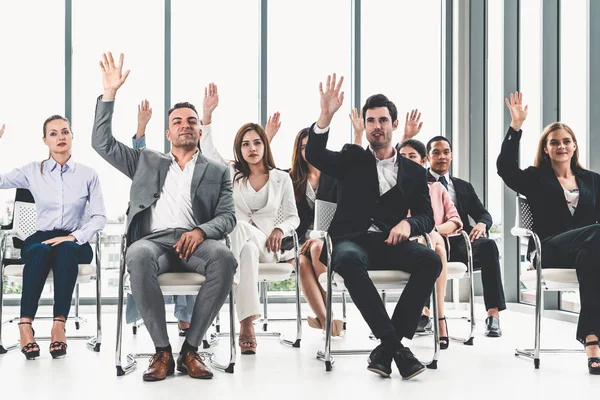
<point>62,188</point>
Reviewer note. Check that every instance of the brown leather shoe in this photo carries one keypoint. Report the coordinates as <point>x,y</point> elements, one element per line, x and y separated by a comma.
<point>161,366</point>
<point>192,363</point>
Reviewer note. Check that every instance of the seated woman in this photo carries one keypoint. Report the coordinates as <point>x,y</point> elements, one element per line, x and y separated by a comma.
<point>311,185</point>
<point>62,188</point>
<point>259,191</point>
<point>565,204</point>
<point>447,221</point>
<point>184,305</point>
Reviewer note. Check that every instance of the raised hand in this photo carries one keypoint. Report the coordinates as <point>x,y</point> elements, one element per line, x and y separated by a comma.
<point>144,113</point>
<point>331,99</point>
<point>113,76</point>
<point>412,126</point>
<point>273,125</point>
<point>356,118</point>
<point>2,130</point>
<point>518,113</point>
<point>211,101</point>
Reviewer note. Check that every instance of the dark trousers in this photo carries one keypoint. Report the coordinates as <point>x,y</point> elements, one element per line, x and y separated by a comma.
<point>487,259</point>
<point>353,258</point>
<point>579,249</point>
<point>63,259</point>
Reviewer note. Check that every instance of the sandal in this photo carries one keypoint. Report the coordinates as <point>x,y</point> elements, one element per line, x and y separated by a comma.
<point>592,360</point>
<point>247,344</point>
<point>337,326</point>
<point>60,347</point>
<point>29,348</point>
<point>444,340</point>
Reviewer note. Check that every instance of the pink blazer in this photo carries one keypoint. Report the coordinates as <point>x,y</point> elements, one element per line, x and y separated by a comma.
<point>443,207</point>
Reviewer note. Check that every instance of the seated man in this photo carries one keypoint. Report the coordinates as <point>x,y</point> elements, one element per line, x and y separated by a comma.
<point>485,251</point>
<point>180,206</point>
<point>370,229</point>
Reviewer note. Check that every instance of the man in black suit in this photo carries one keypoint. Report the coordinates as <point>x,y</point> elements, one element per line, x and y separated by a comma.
<point>370,229</point>
<point>485,251</point>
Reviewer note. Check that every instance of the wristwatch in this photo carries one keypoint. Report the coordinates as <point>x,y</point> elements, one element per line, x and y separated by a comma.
<point>437,229</point>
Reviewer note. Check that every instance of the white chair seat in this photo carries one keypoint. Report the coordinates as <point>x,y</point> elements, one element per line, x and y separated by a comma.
<point>275,272</point>
<point>14,273</point>
<point>176,283</point>
<point>456,270</point>
<point>383,280</point>
<point>556,279</point>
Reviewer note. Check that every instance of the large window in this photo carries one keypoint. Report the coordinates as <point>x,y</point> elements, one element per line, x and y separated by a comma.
<point>211,42</point>
<point>299,58</point>
<point>531,86</point>
<point>97,28</point>
<point>574,90</point>
<point>401,58</point>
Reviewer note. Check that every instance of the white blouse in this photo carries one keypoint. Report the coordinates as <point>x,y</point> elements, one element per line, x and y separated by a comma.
<point>572,197</point>
<point>254,199</point>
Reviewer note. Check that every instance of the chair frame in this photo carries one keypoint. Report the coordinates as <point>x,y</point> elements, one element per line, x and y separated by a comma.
<point>131,358</point>
<point>93,342</point>
<point>525,230</point>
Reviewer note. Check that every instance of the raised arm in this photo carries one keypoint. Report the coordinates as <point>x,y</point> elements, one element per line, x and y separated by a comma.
<point>508,159</point>
<point>120,156</point>
<point>97,213</point>
<point>207,146</point>
<point>327,161</point>
<point>144,116</point>
<point>412,126</point>
<point>358,126</point>
<point>273,125</point>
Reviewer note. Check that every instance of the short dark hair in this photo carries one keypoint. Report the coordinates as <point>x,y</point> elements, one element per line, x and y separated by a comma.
<point>437,139</point>
<point>379,100</point>
<point>184,104</point>
<point>415,144</point>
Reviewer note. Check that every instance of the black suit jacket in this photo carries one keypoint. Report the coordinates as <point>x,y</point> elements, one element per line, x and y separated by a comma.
<point>545,194</point>
<point>467,204</point>
<point>328,191</point>
<point>356,172</point>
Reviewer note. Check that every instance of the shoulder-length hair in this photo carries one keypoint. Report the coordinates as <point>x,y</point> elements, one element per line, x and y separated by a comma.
<point>299,170</point>
<point>542,159</point>
<point>241,166</point>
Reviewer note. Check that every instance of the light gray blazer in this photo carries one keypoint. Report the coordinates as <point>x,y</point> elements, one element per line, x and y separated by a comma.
<point>211,193</point>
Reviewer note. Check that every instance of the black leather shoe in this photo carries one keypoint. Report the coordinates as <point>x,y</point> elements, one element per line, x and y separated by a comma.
<point>380,362</point>
<point>407,363</point>
<point>425,324</point>
<point>492,327</point>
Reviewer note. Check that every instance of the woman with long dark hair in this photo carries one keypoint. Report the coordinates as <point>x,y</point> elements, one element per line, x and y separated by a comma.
<point>565,203</point>
<point>259,191</point>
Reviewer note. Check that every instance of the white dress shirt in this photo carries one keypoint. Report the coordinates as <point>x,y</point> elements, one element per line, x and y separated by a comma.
<point>173,209</point>
<point>451,190</point>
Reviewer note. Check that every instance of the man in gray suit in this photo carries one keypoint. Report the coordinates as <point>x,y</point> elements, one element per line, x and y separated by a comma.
<point>180,206</point>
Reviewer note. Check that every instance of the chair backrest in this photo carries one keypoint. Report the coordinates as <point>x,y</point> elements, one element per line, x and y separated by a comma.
<point>280,217</point>
<point>24,216</point>
<point>524,218</point>
<point>324,212</point>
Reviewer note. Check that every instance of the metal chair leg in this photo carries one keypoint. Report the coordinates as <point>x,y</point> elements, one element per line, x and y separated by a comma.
<point>264,288</point>
<point>344,309</point>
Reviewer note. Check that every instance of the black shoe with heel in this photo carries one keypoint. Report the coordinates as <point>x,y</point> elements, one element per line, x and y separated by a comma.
<point>60,347</point>
<point>444,340</point>
<point>31,350</point>
<point>592,360</point>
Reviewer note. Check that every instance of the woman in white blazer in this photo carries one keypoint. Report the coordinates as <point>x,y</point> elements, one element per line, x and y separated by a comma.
<point>259,191</point>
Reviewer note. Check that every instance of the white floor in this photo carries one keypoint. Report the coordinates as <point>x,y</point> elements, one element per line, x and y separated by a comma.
<point>487,370</point>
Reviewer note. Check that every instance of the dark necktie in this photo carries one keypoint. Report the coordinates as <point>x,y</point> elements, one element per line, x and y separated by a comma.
<point>443,181</point>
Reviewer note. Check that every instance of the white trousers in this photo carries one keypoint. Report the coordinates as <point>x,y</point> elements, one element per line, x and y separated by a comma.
<point>249,248</point>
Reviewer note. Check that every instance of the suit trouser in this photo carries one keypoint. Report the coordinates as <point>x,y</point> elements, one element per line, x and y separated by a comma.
<point>63,259</point>
<point>249,247</point>
<point>353,258</point>
<point>579,249</point>
<point>153,255</point>
<point>487,259</point>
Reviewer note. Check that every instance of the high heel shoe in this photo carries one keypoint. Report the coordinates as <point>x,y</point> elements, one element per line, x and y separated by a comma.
<point>444,340</point>
<point>337,325</point>
<point>61,349</point>
<point>33,354</point>
<point>592,360</point>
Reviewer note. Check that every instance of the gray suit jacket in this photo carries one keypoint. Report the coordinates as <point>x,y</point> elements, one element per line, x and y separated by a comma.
<point>211,193</point>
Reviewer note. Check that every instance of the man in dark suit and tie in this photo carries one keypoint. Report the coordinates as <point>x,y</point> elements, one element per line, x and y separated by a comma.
<point>370,229</point>
<point>485,251</point>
